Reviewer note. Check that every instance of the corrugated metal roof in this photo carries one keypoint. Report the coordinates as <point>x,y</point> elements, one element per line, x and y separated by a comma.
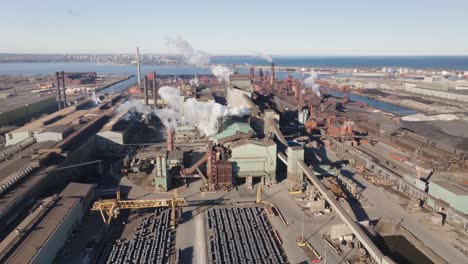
<point>232,128</point>
<point>450,187</point>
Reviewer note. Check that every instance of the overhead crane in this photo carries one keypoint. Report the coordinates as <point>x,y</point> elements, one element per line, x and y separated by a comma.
<point>110,208</point>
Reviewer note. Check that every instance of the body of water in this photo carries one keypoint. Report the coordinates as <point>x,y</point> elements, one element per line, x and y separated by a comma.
<point>419,62</point>
<point>401,250</point>
<point>120,86</point>
<point>387,107</point>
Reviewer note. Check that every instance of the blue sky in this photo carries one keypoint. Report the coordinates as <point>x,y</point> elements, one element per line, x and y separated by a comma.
<point>293,27</point>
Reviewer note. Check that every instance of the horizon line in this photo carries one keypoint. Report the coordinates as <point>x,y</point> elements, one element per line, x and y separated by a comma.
<point>245,55</point>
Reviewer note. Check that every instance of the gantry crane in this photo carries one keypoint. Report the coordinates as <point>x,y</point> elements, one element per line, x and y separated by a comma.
<point>110,208</point>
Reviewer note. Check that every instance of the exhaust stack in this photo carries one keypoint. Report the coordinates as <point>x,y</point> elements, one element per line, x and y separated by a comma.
<point>59,91</point>
<point>145,86</point>
<point>170,139</point>
<point>252,73</point>
<point>155,92</point>
<point>64,90</point>
<point>272,78</point>
<point>138,67</point>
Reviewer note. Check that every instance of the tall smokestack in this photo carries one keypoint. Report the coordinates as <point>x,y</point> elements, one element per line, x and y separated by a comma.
<point>138,67</point>
<point>64,90</point>
<point>58,91</point>
<point>155,93</point>
<point>297,92</point>
<point>272,78</point>
<point>145,86</point>
<point>170,139</point>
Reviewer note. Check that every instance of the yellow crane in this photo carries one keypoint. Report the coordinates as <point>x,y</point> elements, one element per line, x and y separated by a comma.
<point>110,208</point>
<point>259,193</point>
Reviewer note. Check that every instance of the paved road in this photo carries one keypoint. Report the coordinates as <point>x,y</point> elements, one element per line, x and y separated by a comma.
<point>200,247</point>
<point>390,206</point>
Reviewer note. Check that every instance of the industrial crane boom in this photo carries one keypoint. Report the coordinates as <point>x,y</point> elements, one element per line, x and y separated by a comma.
<point>110,208</point>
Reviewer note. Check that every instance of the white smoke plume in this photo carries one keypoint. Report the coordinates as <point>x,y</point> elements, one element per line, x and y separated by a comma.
<point>264,56</point>
<point>204,115</point>
<point>221,72</point>
<point>310,82</point>
<point>133,108</point>
<point>194,81</point>
<point>191,55</point>
<point>200,58</point>
<point>95,98</point>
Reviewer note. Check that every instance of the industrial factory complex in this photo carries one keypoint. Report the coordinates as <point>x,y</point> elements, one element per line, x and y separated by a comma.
<point>251,167</point>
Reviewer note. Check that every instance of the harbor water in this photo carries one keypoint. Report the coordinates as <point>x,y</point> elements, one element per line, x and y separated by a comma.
<point>387,107</point>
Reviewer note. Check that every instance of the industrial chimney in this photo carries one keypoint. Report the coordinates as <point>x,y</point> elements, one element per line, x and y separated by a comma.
<point>138,67</point>
<point>145,86</point>
<point>297,92</point>
<point>272,78</point>
<point>64,90</point>
<point>170,139</point>
<point>155,92</point>
<point>58,91</point>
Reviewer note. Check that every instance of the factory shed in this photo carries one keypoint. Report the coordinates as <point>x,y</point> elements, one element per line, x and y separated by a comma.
<point>114,134</point>
<point>21,108</point>
<point>233,129</point>
<point>452,194</point>
<point>44,239</point>
<point>254,158</point>
<point>65,116</point>
<point>54,133</point>
<point>241,81</point>
<point>240,86</point>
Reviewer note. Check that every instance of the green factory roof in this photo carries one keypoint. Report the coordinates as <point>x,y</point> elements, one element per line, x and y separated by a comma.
<point>450,187</point>
<point>230,129</point>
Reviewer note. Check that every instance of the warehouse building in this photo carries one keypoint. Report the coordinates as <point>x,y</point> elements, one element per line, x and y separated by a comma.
<point>73,115</point>
<point>454,195</point>
<point>253,158</point>
<point>54,133</point>
<point>250,157</point>
<point>17,109</point>
<point>240,85</point>
<point>40,240</point>
<point>114,134</point>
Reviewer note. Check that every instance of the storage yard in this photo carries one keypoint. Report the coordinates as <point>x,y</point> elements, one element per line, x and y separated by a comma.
<point>151,242</point>
<point>246,169</point>
<point>242,235</point>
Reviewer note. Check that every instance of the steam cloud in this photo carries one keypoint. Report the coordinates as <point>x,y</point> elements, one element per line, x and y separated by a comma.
<point>200,58</point>
<point>203,115</point>
<point>264,56</point>
<point>191,55</point>
<point>310,82</point>
<point>221,72</point>
<point>95,98</point>
<point>194,81</point>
